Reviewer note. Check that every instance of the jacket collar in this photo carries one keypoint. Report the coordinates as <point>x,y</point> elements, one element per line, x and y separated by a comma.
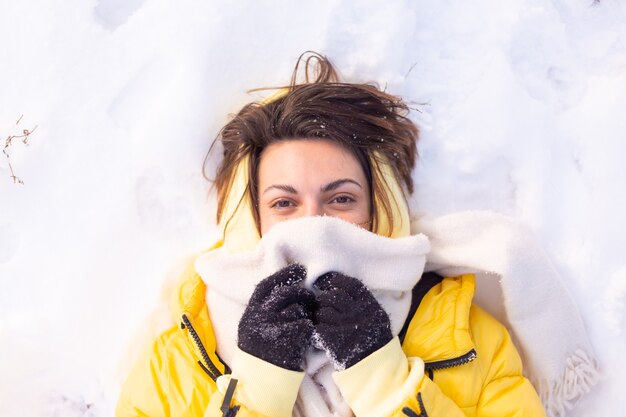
<point>189,310</point>
<point>439,330</point>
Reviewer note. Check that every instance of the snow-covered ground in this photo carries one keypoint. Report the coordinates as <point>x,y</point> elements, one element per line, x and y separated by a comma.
<point>521,105</point>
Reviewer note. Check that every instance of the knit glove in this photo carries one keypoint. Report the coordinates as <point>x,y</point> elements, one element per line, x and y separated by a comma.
<point>349,323</point>
<point>276,325</point>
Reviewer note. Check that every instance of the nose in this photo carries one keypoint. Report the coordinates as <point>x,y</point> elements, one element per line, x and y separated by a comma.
<point>313,208</point>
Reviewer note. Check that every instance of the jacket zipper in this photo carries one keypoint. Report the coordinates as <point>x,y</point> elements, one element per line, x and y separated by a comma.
<point>208,367</point>
<point>450,363</point>
<point>409,412</point>
<point>430,367</point>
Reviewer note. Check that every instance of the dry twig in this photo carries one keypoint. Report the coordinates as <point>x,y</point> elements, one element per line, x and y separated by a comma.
<point>9,141</point>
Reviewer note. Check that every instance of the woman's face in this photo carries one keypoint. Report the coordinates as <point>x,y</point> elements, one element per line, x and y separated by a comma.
<point>299,178</point>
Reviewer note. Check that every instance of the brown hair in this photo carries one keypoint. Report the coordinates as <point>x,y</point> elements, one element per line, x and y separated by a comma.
<point>370,123</point>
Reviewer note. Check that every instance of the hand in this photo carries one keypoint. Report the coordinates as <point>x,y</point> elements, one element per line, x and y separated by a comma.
<point>349,323</point>
<point>277,323</point>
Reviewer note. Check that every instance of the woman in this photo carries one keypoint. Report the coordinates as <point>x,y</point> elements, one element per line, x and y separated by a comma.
<point>315,303</point>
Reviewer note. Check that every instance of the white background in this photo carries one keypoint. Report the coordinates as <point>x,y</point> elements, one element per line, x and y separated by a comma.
<point>521,106</point>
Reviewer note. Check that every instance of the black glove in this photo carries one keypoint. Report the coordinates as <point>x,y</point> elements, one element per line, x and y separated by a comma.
<point>349,323</point>
<point>276,325</point>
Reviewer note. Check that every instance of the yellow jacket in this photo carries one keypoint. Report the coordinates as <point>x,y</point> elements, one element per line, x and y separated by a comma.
<point>470,367</point>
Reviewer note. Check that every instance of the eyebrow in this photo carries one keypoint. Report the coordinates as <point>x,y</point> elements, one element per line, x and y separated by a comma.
<point>326,188</point>
<point>287,188</point>
<point>338,183</point>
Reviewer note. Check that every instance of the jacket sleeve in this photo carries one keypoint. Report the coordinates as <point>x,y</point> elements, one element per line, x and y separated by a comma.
<point>506,391</point>
<point>396,385</point>
<point>165,381</point>
<point>387,383</point>
<point>143,393</point>
<point>258,388</point>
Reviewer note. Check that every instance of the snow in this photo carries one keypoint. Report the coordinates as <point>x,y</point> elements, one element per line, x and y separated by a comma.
<point>520,106</point>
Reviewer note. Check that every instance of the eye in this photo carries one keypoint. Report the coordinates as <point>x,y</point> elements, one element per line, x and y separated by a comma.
<point>343,199</point>
<point>282,204</point>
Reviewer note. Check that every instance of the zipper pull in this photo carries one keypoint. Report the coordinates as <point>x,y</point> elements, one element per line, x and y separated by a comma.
<point>228,396</point>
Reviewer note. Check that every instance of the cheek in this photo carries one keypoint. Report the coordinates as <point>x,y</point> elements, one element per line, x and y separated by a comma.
<point>360,215</point>
<point>265,221</point>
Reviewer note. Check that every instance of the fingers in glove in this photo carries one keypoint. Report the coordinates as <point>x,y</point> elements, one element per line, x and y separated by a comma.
<point>283,297</point>
<point>283,345</point>
<point>349,322</point>
<point>335,306</point>
<point>336,280</point>
<point>289,275</point>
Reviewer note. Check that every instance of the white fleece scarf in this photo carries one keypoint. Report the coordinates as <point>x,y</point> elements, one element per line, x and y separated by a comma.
<point>390,268</point>
<point>539,311</point>
<point>537,308</point>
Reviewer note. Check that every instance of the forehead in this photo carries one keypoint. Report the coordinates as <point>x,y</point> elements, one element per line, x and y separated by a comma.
<point>302,159</point>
